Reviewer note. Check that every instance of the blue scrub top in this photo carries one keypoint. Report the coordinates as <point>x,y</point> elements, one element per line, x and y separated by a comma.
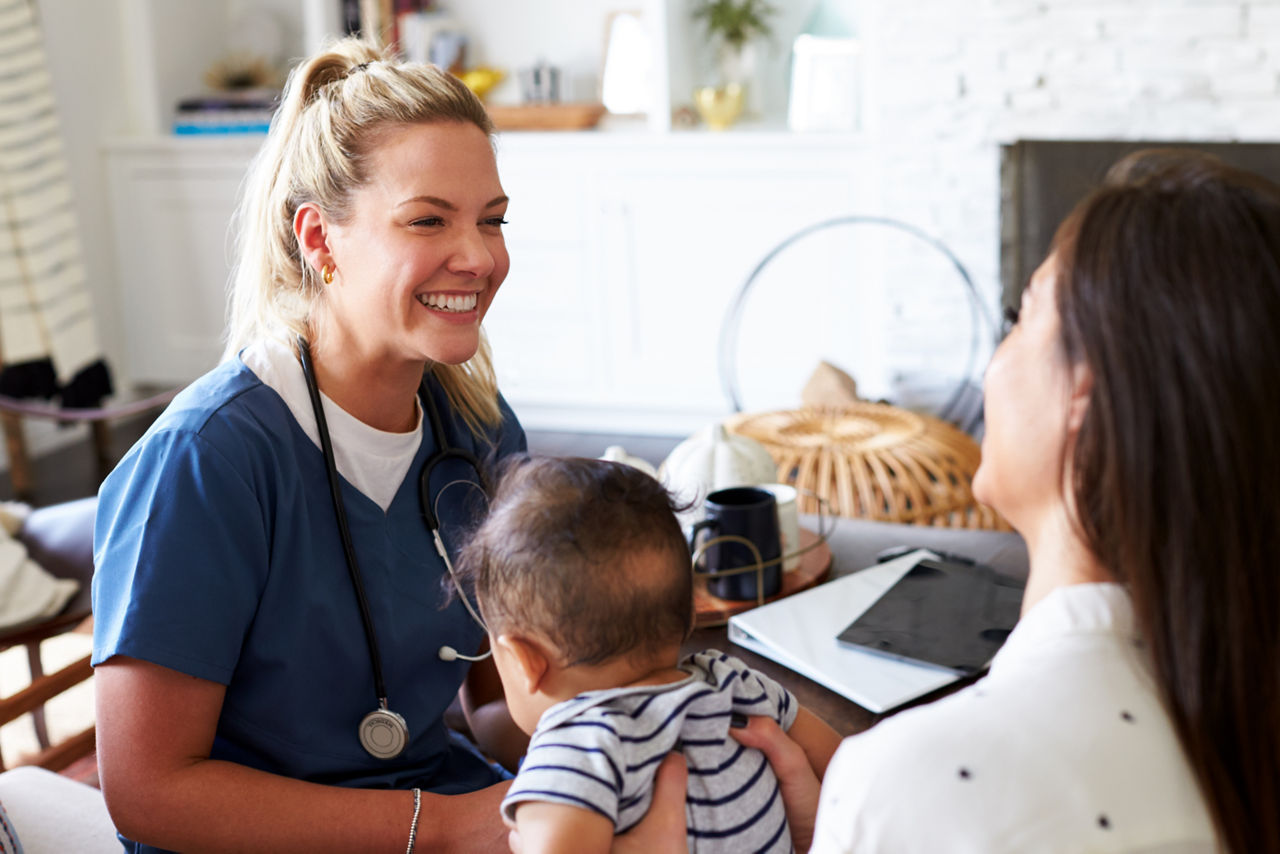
<point>218,555</point>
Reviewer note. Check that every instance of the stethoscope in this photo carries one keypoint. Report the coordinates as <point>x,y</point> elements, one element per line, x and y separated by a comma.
<point>384,733</point>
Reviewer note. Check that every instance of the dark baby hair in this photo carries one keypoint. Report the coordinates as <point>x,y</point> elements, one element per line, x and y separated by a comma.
<point>587,554</point>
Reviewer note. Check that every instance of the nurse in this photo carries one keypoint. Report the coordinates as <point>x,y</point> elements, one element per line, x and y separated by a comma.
<point>261,685</point>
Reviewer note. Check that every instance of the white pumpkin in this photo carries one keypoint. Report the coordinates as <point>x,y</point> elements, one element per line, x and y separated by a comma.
<point>618,454</point>
<point>712,459</point>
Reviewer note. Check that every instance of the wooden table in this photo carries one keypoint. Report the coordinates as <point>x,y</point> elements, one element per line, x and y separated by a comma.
<point>854,545</point>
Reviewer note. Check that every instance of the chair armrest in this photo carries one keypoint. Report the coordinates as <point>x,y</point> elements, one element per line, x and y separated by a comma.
<point>60,538</point>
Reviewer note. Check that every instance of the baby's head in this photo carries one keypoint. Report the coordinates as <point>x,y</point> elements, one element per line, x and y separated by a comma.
<point>585,560</point>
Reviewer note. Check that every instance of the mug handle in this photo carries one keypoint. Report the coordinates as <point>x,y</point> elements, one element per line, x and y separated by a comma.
<point>697,528</point>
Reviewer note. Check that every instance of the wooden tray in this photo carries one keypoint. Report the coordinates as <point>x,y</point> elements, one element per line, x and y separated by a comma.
<point>815,565</point>
<point>546,116</point>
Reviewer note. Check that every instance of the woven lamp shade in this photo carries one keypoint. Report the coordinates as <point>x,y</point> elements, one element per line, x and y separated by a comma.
<point>874,461</point>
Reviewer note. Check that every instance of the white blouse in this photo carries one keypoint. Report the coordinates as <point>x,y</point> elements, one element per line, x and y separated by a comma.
<point>1064,746</point>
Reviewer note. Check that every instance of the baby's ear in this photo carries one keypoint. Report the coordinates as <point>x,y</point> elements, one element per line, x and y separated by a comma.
<point>530,657</point>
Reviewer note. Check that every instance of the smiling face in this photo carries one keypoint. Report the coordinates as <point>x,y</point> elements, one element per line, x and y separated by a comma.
<point>1028,390</point>
<point>421,256</point>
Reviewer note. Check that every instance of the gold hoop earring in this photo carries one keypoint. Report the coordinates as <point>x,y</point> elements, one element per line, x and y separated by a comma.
<point>326,273</point>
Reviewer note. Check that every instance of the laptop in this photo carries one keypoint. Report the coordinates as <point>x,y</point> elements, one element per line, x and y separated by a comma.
<point>799,632</point>
<point>949,615</point>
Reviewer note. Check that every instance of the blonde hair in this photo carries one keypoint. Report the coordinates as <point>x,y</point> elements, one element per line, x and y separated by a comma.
<point>332,111</point>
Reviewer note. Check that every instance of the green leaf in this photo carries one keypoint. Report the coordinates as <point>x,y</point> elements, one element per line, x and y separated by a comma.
<point>735,21</point>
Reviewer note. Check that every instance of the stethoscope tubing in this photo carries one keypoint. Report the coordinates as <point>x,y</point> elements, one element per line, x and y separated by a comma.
<point>344,530</point>
<point>430,517</point>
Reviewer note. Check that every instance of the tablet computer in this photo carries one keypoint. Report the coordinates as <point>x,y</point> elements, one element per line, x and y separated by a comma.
<point>950,615</point>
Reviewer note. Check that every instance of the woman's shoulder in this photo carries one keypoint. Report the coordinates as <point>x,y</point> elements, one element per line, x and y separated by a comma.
<point>230,394</point>
<point>1008,768</point>
<point>229,411</point>
<point>951,733</point>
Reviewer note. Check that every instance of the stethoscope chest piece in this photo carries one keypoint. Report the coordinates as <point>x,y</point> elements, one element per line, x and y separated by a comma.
<point>384,734</point>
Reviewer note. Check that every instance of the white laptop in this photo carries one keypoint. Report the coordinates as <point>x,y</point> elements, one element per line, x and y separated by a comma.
<point>800,632</point>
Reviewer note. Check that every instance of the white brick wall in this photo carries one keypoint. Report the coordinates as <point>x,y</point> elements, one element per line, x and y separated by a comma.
<point>949,81</point>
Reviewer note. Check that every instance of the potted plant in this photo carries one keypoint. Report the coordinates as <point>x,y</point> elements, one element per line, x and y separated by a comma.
<point>732,27</point>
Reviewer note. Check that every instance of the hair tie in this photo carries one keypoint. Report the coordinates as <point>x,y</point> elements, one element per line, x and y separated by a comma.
<point>361,67</point>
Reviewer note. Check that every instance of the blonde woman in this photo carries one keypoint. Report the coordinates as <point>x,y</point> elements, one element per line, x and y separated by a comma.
<point>274,661</point>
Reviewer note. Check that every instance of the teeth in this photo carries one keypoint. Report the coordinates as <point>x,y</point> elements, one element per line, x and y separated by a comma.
<point>449,302</point>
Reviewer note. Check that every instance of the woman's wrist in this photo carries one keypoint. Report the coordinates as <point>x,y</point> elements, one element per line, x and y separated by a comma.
<point>413,827</point>
<point>466,822</point>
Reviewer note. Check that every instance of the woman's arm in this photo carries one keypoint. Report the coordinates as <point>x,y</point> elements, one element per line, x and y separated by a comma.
<point>155,732</point>
<point>795,771</point>
<point>485,706</point>
<point>663,827</point>
<point>818,740</point>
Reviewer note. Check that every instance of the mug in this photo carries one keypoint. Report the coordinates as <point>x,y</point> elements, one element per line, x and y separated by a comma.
<point>540,84</point>
<point>788,523</point>
<point>749,512</point>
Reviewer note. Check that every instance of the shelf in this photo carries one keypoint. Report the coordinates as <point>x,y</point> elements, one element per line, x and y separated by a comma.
<point>611,132</point>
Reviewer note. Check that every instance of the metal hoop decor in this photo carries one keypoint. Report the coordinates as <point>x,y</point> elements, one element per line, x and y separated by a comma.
<point>733,318</point>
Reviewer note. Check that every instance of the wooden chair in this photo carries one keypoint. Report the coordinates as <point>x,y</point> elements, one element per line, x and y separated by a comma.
<point>14,410</point>
<point>60,539</point>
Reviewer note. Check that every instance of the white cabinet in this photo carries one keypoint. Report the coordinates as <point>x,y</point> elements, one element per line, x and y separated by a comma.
<point>626,249</point>
<point>627,243</point>
<point>172,201</point>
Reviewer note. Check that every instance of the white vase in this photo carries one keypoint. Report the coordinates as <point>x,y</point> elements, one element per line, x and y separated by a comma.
<point>736,63</point>
<point>739,64</point>
<point>714,459</point>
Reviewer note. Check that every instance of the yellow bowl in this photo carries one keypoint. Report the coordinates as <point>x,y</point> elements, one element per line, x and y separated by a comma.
<point>481,80</point>
<point>719,106</point>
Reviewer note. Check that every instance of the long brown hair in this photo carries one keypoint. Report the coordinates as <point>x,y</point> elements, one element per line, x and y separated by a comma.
<point>1170,293</point>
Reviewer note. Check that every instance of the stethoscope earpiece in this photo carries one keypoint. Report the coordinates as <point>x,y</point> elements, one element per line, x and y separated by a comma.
<point>448,653</point>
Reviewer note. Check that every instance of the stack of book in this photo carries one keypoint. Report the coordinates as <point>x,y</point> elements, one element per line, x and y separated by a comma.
<point>226,113</point>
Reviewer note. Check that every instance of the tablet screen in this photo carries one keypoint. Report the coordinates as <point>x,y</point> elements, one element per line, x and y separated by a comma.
<point>950,615</point>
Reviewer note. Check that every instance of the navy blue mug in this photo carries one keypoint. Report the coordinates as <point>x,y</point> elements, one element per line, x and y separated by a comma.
<point>751,513</point>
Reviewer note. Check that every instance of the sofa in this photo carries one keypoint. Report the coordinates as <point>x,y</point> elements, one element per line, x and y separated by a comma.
<point>52,814</point>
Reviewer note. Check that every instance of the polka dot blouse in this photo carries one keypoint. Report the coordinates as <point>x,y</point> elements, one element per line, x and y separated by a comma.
<point>1062,747</point>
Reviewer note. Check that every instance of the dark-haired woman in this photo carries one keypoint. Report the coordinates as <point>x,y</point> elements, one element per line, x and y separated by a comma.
<point>1133,417</point>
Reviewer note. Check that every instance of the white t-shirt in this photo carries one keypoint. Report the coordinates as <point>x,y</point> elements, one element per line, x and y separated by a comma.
<point>1063,747</point>
<point>373,461</point>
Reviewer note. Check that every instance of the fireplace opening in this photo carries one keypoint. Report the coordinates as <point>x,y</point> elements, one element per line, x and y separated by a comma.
<point>1042,180</point>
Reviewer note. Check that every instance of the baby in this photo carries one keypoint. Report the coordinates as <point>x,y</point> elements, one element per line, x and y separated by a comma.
<point>583,577</point>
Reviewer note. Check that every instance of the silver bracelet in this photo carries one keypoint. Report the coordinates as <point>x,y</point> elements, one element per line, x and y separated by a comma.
<point>413,828</point>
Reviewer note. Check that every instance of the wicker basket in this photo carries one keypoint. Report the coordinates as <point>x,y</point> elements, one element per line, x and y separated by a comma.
<point>874,461</point>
